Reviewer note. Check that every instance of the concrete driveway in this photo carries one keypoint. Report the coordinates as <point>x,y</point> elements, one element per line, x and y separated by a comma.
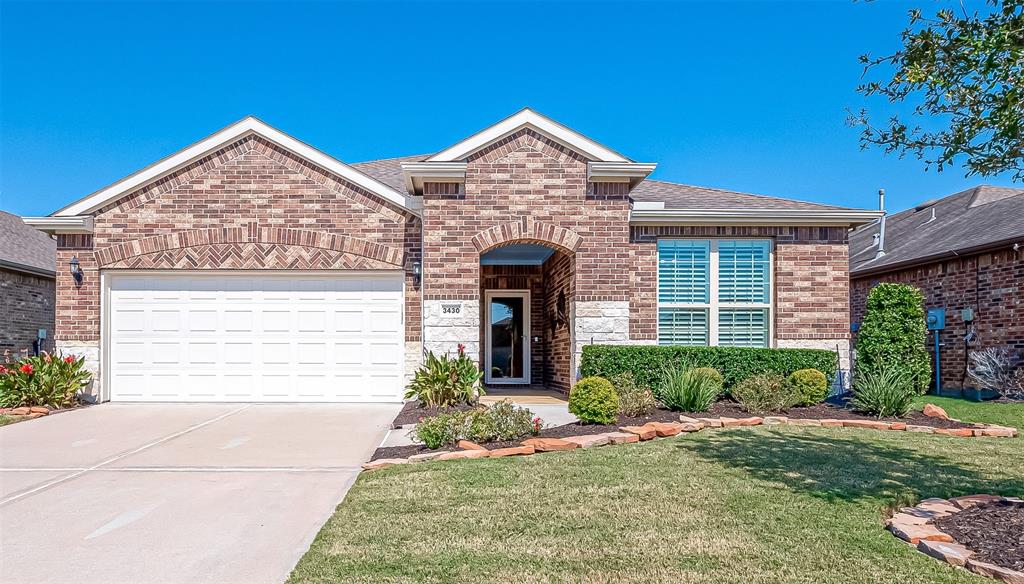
<point>165,493</point>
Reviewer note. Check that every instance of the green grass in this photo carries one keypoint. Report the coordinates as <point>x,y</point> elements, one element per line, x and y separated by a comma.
<point>1005,414</point>
<point>741,505</point>
<point>5,419</point>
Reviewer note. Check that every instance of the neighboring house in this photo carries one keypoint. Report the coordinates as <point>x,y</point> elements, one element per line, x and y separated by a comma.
<point>251,266</point>
<point>964,253</point>
<point>27,288</point>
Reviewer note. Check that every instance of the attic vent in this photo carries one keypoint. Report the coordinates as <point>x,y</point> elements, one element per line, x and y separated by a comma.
<point>925,205</point>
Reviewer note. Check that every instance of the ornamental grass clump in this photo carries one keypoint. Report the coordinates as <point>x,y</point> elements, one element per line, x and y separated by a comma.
<point>690,390</point>
<point>883,393</point>
<point>593,400</point>
<point>766,393</point>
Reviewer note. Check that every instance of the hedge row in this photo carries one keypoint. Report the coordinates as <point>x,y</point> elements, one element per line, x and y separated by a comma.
<point>647,362</point>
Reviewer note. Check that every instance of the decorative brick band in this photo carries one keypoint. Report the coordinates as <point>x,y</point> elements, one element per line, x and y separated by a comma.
<point>527,231</point>
<point>244,236</point>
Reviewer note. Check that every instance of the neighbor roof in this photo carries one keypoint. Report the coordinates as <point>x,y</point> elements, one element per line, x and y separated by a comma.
<point>674,195</point>
<point>25,249</point>
<point>970,220</point>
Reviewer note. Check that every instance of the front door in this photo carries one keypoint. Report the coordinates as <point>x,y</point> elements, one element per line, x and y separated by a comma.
<point>507,356</point>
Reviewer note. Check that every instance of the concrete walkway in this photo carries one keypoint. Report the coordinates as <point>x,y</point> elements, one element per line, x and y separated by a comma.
<point>167,493</point>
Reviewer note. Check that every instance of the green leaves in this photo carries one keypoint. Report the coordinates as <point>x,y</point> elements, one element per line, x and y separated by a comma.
<point>43,380</point>
<point>963,72</point>
<point>893,335</point>
<point>444,381</point>
<point>690,390</point>
<point>885,392</point>
<point>593,400</point>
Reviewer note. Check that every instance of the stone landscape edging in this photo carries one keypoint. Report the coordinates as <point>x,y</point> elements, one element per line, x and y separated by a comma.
<point>911,524</point>
<point>686,424</point>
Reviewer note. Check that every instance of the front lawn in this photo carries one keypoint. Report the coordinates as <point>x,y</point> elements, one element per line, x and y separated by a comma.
<point>1003,414</point>
<point>787,504</point>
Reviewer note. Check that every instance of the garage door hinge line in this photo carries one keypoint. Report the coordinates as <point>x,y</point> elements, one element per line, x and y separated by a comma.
<point>123,455</point>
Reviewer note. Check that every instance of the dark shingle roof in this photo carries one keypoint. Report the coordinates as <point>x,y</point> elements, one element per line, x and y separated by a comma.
<point>674,195</point>
<point>971,219</point>
<point>25,248</point>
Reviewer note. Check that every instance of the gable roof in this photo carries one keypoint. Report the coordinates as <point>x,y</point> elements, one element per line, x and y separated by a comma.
<point>527,118</point>
<point>216,141</point>
<point>974,219</point>
<point>25,249</point>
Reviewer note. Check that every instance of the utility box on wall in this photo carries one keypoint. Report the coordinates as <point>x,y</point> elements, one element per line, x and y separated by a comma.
<point>936,319</point>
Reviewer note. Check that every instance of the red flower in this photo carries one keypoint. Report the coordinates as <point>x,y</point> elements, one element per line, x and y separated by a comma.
<point>27,369</point>
<point>462,349</point>
<point>3,370</point>
<point>69,359</point>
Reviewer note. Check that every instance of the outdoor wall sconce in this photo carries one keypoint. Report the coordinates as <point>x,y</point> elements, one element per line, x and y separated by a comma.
<point>417,273</point>
<point>76,271</point>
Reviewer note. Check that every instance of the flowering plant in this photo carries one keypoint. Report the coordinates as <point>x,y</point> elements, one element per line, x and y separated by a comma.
<point>444,381</point>
<point>42,381</point>
<point>536,426</point>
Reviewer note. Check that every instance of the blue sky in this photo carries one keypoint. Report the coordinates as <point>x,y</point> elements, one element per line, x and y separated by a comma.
<point>746,96</point>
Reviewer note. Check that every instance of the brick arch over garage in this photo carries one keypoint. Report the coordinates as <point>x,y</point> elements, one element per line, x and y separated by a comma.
<point>252,246</point>
<point>527,231</point>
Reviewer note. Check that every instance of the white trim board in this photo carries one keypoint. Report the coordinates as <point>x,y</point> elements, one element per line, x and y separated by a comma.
<point>214,142</point>
<point>531,119</point>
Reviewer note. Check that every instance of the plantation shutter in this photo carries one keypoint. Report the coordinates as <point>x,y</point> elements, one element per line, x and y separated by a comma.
<point>743,271</point>
<point>743,328</point>
<point>680,326</point>
<point>684,271</point>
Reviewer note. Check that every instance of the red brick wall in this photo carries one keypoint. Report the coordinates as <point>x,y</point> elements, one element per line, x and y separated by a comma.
<point>78,306</point>
<point>558,277</point>
<point>811,272</point>
<point>992,284</point>
<point>525,188</point>
<point>251,205</point>
<point>27,305</point>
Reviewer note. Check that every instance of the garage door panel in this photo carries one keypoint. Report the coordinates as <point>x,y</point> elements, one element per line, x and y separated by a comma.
<point>256,337</point>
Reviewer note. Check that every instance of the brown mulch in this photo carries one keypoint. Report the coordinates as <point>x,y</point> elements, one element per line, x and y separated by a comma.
<point>412,412</point>
<point>993,531</point>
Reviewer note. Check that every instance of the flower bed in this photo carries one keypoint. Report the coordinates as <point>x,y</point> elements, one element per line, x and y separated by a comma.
<point>981,533</point>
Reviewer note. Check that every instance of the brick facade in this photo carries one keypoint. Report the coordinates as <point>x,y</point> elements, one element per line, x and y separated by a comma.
<point>27,304</point>
<point>251,205</point>
<point>810,279</point>
<point>991,284</point>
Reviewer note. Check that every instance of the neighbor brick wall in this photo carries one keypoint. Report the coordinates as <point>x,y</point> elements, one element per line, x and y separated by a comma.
<point>27,305</point>
<point>811,278</point>
<point>525,188</point>
<point>251,205</point>
<point>992,284</point>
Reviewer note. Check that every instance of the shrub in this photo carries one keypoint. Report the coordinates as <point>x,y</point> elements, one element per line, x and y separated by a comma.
<point>765,393</point>
<point>735,364</point>
<point>690,390</point>
<point>43,380</point>
<point>893,334</point>
<point>593,400</point>
<point>811,384</point>
<point>883,393</point>
<point>634,400</point>
<point>502,421</point>
<point>995,368</point>
<point>443,381</point>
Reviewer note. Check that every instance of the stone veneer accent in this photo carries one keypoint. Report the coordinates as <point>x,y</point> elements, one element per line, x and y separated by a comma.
<point>599,323</point>
<point>91,351</point>
<point>444,334</point>
<point>834,345</point>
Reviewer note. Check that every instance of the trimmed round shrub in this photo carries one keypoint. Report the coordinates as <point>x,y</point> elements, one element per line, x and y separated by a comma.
<point>593,400</point>
<point>766,393</point>
<point>713,374</point>
<point>634,400</point>
<point>893,335</point>
<point>811,384</point>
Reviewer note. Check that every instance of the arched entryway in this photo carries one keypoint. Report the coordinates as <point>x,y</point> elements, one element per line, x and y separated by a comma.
<point>526,291</point>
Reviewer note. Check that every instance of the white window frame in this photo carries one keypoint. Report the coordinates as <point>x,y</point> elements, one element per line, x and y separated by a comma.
<point>713,307</point>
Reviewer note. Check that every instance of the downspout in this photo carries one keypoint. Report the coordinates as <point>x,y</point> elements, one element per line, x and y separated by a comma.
<point>881,224</point>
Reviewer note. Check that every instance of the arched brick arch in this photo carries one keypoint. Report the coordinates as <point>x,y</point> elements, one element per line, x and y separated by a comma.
<point>251,234</point>
<point>527,231</point>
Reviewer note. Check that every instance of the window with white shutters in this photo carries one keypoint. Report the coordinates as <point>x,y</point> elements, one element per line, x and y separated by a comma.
<point>714,292</point>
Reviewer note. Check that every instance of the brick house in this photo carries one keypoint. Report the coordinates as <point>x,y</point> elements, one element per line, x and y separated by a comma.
<point>964,253</point>
<point>251,266</point>
<point>27,289</point>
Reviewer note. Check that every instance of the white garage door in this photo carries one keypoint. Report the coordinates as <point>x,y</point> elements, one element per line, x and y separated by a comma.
<point>255,336</point>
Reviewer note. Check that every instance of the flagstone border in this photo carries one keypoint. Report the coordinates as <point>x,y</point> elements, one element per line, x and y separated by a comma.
<point>912,525</point>
<point>686,424</point>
